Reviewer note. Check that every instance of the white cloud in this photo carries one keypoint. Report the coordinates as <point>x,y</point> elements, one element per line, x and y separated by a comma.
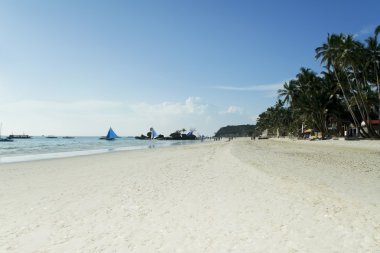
<point>167,116</point>
<point>261,87</point>
<point>233,109</point>
<point>367,30</point>
<point>94,117</point>
<point>59,106</point>
<point>35,117</point>
<point>192,105</point>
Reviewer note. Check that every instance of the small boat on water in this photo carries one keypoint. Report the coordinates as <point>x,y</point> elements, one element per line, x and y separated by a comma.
<point>51,137</point>
<point>19,136</point>
<point>68,137</point>
<point>5,140</point>
<point>111,135</point>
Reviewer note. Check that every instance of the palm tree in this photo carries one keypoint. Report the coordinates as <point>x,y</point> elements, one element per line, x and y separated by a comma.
<point>287,92</point>
<point>351,80</point>
<point>313,99</point>
<point>330,53</point>
<point>310,97</point>
<point>373,48</point>
<point>354,62</point>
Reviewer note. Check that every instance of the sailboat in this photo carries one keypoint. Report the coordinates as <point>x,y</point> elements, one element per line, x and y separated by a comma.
<point>111,135</point>
<point>4,139</point>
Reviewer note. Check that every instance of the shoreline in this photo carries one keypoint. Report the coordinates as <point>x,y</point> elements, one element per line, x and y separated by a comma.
<point>66,154</point>
<point>224,196</point>
<point>365,143</point>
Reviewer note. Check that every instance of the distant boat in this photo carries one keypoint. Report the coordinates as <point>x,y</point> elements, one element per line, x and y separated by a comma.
<point>68,137</point>
<point>111,135</point>
<point>5,140</point>
<point>19,136</point>
<point>51,137</point>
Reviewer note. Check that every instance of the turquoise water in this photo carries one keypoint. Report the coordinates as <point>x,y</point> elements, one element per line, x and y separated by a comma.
<point>38,148</point>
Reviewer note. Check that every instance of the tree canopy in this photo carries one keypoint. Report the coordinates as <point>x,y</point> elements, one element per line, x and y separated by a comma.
<point>347,92</point>
<point>236,131</point>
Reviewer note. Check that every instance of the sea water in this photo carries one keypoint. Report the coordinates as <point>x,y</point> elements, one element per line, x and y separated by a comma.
<point>37,148</point>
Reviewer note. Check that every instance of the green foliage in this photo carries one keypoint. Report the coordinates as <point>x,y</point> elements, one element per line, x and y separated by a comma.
<point>349,90</point>
<point>236,131</point>
<point>276,118</point>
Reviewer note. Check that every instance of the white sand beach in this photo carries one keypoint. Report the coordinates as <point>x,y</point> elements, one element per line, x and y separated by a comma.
<point>237,196</point>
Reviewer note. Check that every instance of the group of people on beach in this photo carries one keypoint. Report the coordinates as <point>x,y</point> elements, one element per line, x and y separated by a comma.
<point>220,138</point>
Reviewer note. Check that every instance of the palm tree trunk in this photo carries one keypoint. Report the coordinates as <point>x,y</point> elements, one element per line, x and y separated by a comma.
<point>368,122</point>
<point>346,100</point>
<point>365,105</point>
<point>362,114</point>
<point>378,92</point>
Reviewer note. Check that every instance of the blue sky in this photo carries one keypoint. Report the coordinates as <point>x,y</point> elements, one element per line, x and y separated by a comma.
<point>78,67</point>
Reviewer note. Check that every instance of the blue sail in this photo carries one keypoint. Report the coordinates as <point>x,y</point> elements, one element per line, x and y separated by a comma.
<point>111,135</point>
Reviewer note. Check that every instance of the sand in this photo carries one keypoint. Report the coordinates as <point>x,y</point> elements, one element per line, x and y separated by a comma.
<point>237,196</point>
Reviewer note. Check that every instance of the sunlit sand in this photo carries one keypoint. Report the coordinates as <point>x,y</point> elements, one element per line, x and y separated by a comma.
<point>236,196</point>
